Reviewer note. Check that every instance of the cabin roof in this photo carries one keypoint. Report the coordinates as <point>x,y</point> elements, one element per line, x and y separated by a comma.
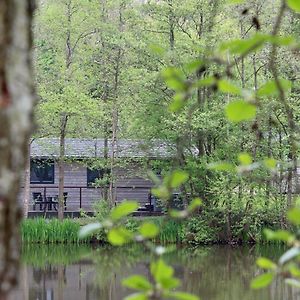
<point>88,148</point>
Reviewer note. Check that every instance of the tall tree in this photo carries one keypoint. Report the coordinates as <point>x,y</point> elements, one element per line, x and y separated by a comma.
<point>16,103</point>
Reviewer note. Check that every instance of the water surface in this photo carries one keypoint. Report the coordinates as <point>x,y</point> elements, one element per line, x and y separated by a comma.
<point>84,273</point>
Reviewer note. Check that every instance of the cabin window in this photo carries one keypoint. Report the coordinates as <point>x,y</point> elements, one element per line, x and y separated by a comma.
<point>94,175</point>
<point>42,171</point>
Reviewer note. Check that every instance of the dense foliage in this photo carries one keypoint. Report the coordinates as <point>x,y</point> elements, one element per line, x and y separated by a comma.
<point>216,80</point>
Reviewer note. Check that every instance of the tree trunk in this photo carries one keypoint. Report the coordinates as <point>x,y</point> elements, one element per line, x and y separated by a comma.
<point>26,194</point>
<point>16,106</point>
<point>61,168</point>
<point>105,156</point>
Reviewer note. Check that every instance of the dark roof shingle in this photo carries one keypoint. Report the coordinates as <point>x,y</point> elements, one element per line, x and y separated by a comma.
<point>80,148</point>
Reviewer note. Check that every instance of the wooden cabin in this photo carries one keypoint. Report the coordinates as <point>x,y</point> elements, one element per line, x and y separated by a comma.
<point>82,192</point>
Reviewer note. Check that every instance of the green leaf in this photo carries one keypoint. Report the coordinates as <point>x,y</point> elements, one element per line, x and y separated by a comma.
<point>156,49</point>
<point>245,159</point>
<point>266,263</point>
<point>283,40</point>
<point>279,235</point>
<point>149,230</point>
<point>161,192</point>
<point>177,178</point>
<point>176,84</point>
<point>193,66</point>
<point>294,5</point>
<point>169,283</point>
<point>294,270</point>
<point>294,215</point>
<point>288,255</point>
<point>292,282</point>
<point>175,79</point>
<point>270,163</point>
<point>178,214</point>
<point>208,81</point>
<point>262,281</point>
<point>227,87</point>
<point>89,229</point>
<point>245,46</point>
<point>119,236</point>
<point>183,296</point>
<point>197,202</point>
<point>221,166</point>
<point>136,296</point>
<point>160,270</point>
<point>137,282</point>
<point>270,88</point>
<point>240,110</point>
<point>123,209</point>
<point>178,103</point>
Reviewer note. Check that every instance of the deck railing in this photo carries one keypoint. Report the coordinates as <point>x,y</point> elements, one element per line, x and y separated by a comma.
<point>83,197</point>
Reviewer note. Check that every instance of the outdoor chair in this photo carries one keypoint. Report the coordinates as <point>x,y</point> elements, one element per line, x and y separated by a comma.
<point>65,200</point>
<point>37,200</point>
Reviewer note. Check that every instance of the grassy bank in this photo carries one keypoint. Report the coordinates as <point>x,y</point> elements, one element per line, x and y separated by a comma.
<point>209,227</point>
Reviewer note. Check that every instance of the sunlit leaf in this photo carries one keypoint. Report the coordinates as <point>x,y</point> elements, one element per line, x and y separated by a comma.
<point>156,49</point>
<point>119,236</point>
<point>294,215</point>
<point>176,84</point>
<point>292,282</point>
<point>137,282</point>
<point>175,79</point>
<point>160,270</point>
<point>245,159</point>
<point>169,283</point>
<point>178,214</point>
<point>279,235</point>
<point>270,163</point>
<point>177,178</point>
<point>177,103</point>
<point>289,254</point>
<point>294,270</point>
<point>193,66</point>
<point>227,87</point>
<point>207,81</point>
<point>123,209</point>
<point>262,281</point>
<point>161,192</point>
<point>266,263</point>
<point>294,5</point>
<point>89,229</point>
<point>270,88</point>
<point>197,202</point>
<point>245,46</point>
<point>221,166</point>
<point>240,110</point>
<point>283,40</point>
<point>149,230</point>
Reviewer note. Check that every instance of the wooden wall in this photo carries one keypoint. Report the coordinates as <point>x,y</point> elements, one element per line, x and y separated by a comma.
<point>130,185</point>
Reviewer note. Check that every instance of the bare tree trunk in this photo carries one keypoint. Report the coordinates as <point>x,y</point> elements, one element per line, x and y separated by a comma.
<point>26,193</point>
<point>105,155</point>
<point>115,114</point>
<point>268,182</point>
<point>61,168</point>
<point>16,106</point>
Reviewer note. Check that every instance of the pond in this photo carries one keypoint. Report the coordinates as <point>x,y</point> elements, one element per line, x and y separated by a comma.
<point>86,273</point>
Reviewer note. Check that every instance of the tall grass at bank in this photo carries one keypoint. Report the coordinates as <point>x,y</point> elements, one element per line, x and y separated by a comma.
<point>51,231</point>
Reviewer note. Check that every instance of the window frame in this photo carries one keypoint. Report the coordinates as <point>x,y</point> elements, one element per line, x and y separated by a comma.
<point>50,162</point>
<point>102,173</point>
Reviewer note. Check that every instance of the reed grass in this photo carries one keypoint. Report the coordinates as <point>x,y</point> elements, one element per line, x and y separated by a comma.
<point>52,231</point>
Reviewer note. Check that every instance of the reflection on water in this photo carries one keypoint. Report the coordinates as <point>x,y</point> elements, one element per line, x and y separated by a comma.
<point>82,273</point>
